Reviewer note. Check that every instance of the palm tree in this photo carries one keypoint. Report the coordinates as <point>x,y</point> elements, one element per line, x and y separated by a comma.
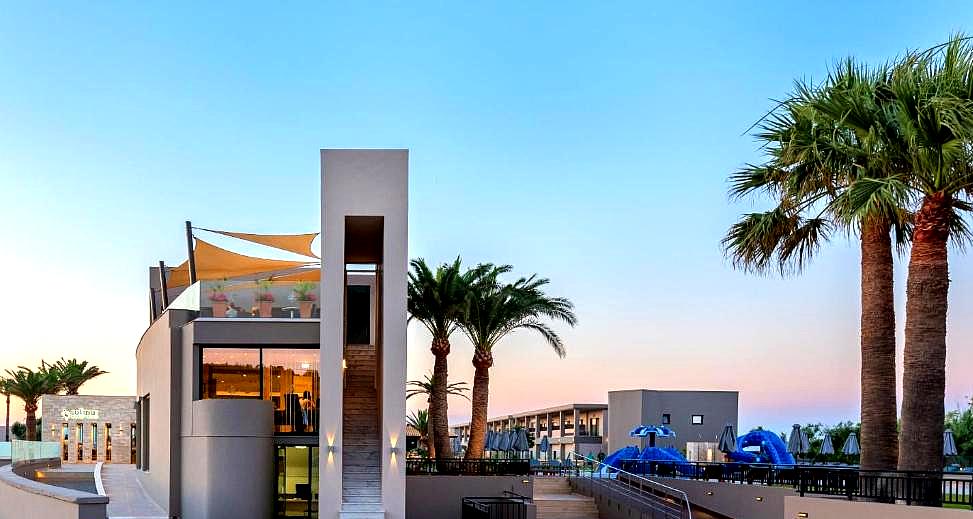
<point>30,386</point>
<point>439,300</point>
<point>72,374</point>
<point>935,107</point>
<point>495,311</point>
<point>426,387</point>
<point>6,393</point>
<point>821,141</point>
<point>420,421</point>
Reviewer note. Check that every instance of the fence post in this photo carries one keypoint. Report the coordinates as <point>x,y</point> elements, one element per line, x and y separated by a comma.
<point>908,488</point>
<point>800,481</point>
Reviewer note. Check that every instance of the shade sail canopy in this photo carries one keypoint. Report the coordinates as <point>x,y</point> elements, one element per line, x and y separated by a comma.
<point>296,243</point>
<point>303,275</point>
<point>213,263</point>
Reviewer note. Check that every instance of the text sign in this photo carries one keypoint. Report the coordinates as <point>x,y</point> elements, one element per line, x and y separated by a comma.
<point>79,414</point>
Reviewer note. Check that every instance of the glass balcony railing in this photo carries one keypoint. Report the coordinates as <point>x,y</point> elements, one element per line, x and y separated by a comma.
<point>4,450</point>
<point>28,451</point>
<point>245,299</point>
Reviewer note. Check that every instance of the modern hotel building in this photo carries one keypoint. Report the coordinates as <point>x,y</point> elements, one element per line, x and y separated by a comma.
<point>271,388</point>
<point>569,428</point>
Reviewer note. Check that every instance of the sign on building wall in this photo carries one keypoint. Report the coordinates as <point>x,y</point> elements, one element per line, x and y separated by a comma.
<point>79,414</point>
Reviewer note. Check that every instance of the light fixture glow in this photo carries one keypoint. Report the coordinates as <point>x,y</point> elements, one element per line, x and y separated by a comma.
<point>759,499</point>
<point>802,514</point>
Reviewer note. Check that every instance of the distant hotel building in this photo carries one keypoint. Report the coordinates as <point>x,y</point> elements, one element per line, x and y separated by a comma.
<point>569,428</point>
<point>697,417</point>
<point>90,429</point>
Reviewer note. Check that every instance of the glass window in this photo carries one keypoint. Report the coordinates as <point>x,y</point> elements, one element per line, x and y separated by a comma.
<point>64,441</point>
<point>108,442</point>
<point>297,481</point>
<point>94,442</point>
<point>79,436</point>
<point>291,380</point>
<point>666,419</point>
<point>697,419</point>
<point>230,373</point>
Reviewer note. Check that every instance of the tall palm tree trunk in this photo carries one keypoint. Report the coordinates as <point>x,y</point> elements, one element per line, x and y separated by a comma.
<point>31,421</point>
<point>924,379</point>
<point>482,361</point>
<point>430,439</point>
<point>879,435</point>
<point>438,401</point>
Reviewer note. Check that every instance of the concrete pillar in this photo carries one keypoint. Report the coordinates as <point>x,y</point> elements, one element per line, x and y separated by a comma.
<point>371,183</point>
<point>575,424</point>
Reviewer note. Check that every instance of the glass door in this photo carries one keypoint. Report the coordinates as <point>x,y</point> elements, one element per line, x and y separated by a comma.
<point>297,481</point>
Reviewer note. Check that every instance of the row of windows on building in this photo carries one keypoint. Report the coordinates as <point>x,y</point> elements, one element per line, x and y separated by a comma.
<point>91,443</point>
<point>696,419</point>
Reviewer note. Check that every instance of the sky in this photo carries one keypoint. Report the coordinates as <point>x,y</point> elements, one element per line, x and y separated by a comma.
<point>586,142</point>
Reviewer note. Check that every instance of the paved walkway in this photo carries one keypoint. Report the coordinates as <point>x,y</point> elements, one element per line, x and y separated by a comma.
<point>126,497</point>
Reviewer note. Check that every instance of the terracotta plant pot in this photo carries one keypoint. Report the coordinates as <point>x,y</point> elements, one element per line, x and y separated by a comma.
<point>306,308</point>
<point>266,308</point>
<point>219,308</point>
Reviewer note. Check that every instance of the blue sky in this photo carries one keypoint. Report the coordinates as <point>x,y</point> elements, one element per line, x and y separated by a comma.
<point>589,142</point>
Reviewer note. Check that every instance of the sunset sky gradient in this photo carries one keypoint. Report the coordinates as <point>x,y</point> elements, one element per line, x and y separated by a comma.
<point>588,142</point>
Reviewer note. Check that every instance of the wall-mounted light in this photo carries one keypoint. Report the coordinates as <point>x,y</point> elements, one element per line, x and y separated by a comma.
<point>802,514</point>
<point>759,499</point>
<point>394,450</point>
<point>709,492</point>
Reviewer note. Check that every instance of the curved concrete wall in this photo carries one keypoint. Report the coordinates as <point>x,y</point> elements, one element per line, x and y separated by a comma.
<point>21,497</point>
<point>228,460</point>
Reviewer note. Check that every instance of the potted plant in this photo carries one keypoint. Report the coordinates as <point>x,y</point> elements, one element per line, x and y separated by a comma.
<point>218,298</point>
<point>264,299</point>
<point>304,293</point>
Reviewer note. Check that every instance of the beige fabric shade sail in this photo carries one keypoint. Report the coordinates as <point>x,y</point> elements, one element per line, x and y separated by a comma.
<point>296,243</point>
<point>214,263</point>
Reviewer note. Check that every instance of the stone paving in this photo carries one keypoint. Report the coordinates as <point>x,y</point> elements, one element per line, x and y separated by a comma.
<point>126,497</point>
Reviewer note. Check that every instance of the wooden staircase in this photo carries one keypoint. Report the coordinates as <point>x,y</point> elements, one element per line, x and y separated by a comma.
<point>554,500</point>
<point>361,468</point>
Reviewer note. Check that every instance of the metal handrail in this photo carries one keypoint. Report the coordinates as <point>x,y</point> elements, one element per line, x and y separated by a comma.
<point>665,489</point>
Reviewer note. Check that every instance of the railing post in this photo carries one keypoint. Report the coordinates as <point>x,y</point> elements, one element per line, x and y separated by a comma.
<point>908,488</point>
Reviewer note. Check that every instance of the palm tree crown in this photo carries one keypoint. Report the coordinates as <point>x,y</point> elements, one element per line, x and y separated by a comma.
<point>426,386</point>
<point>72,374</point>
<point>29,386</point>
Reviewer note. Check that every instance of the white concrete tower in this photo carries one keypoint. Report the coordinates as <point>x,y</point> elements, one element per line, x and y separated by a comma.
<point>364,225</point>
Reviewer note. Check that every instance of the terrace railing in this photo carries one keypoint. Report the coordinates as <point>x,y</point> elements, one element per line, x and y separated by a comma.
<point>906,487</point>
<point>662,500</point>
<point>464,467</point>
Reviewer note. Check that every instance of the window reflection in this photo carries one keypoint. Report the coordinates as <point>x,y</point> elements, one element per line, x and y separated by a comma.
<point>291,382</point>
<point>287,377</point>
<point>230,373</point>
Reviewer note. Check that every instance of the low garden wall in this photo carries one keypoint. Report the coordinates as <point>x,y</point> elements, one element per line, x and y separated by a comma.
<point>21,497</point>
<point>441,497</point>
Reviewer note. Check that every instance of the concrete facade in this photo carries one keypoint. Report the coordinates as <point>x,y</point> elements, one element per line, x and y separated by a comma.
<point>21,497</point>
<point>105,422</point>
<point>821,508</point>
<point>631,408</point>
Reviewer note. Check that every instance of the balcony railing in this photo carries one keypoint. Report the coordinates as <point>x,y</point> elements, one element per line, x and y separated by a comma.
<point>246,299</point>
<point>510,506</point>
<point>463,467</point>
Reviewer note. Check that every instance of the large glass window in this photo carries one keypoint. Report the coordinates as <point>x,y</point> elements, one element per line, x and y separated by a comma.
<point>230,373</point>
<point>292,383</point>
<point>288,377</point>
<point>297,481</point>
<point>79,436</point>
